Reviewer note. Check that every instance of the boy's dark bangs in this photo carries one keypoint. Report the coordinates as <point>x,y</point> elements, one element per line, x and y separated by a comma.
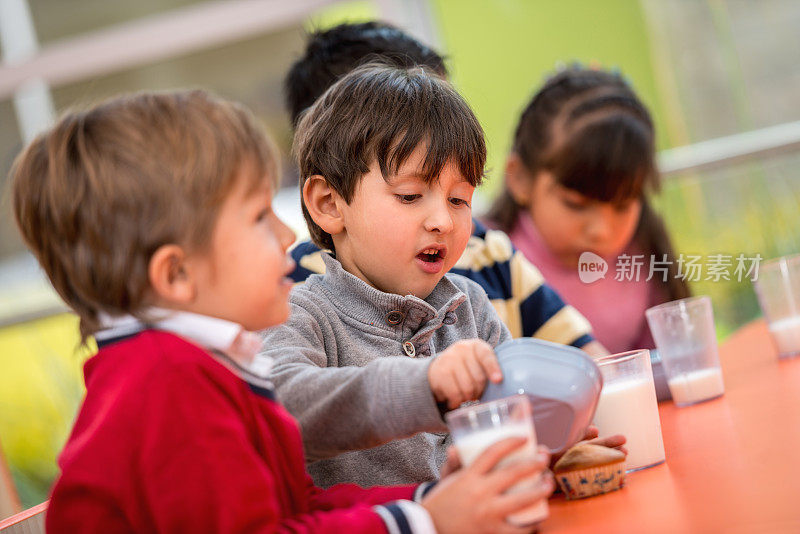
<point>607,159</point>
<point>445,126</point>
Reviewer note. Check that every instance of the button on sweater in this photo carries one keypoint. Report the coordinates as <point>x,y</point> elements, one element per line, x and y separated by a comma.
<point>358,384</point>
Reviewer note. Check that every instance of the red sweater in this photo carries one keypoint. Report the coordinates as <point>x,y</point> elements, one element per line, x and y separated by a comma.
<point>170,440</point>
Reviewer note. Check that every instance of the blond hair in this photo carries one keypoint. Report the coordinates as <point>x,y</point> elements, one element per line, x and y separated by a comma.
<point>96,195</point>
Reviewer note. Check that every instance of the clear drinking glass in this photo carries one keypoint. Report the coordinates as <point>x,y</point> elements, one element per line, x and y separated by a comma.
<point>687,342</point>
<point>628,406</point>
<point>475,428</point>
<point>778,290</point>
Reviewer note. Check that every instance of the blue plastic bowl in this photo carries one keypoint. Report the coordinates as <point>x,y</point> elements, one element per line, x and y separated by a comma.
<point>562,382</point>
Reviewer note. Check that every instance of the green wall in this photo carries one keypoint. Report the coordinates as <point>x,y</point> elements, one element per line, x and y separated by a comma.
<point>501,51</point>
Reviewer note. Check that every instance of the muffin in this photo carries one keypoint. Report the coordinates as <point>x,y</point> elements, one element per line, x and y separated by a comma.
<point>586,470</point>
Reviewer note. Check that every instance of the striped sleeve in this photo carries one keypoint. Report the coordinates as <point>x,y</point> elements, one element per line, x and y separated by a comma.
<point>308,260</point>
<point>423,489</point>
<point>516,288</point>
<point>405,517</point>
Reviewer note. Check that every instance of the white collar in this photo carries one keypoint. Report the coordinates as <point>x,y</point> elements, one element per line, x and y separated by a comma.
<point>209,332</point>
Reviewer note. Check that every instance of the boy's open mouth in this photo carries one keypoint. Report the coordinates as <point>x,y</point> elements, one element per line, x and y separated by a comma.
<point>431,259</point>
<point>430,255</point>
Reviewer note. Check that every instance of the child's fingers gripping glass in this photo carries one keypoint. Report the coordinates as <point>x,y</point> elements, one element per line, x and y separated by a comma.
<point>508,503</point>
<point>506,476</point>
<point>495,453</point>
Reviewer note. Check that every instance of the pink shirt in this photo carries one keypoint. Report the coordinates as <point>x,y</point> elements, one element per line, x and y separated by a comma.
<point>614,308</point>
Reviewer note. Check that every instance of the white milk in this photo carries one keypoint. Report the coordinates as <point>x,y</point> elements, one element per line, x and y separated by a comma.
<point>696,386</point>
<point>471,446</point>
<point>628,407</point>
<point>786,333</point>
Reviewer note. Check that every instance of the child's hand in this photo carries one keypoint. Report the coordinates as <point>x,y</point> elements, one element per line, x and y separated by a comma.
<point>617,441</point>
<point>459,373</point>
<point>473,500</point>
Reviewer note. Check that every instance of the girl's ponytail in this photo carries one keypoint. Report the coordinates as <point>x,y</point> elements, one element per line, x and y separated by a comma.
<point>652,239</point>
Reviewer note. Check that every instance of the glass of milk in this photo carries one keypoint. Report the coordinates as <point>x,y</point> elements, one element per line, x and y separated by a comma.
<point>474,428</point>
<point>687,342</point>
<point>628,406</point>
<point>778,290</point>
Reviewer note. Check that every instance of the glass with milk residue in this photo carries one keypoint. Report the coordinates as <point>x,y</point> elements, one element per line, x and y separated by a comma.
<point>687,343</point>
<point>475,428</point>
<point>778,290</point>
<point>628,406</point>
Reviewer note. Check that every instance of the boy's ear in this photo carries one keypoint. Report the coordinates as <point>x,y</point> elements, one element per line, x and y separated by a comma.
<point>169,275</point>
<point>519,181</point>
<point>322,202</point>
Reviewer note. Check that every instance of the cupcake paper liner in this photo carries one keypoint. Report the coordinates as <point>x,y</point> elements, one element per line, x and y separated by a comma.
<point>592,480</point>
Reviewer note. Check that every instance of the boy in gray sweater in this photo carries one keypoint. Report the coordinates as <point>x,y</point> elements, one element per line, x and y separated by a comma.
<point>377,347</point>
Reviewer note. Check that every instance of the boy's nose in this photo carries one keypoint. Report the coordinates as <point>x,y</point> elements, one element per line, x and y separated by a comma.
<point>439,219</point>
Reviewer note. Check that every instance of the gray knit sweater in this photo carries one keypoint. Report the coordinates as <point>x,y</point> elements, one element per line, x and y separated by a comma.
<point>345,368</point>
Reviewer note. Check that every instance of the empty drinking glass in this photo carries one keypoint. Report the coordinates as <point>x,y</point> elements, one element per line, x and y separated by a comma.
<point>778,290</point>
<point>687,342</point>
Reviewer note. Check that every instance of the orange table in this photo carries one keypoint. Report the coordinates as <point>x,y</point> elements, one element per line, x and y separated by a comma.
<point>733,463</point>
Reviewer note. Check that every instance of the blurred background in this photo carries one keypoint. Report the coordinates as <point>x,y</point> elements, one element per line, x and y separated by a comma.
<point>722,78</point>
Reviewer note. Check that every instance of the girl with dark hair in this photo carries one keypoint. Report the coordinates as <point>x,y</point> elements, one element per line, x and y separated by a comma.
<point>576,180</point>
